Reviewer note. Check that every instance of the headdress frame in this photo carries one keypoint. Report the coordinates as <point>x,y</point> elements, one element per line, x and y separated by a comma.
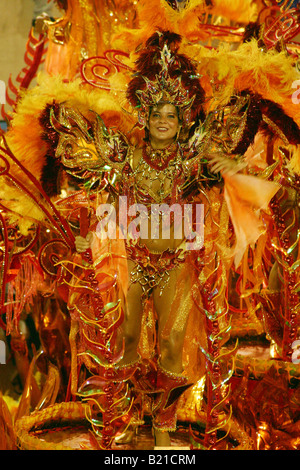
<point>163,75</point>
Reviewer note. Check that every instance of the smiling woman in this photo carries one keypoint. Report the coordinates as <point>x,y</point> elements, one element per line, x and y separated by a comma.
<point>163,125</point>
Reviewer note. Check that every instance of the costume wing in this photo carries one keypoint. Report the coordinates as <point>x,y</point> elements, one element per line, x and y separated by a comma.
<point>87,146</point>
<point>228,131</point>
<point>34,155</point>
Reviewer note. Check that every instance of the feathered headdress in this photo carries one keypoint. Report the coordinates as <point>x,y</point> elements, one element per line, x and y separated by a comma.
<point>164,75</point>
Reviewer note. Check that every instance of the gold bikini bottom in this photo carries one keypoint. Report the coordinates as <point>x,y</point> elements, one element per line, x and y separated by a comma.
<point>152,268</point>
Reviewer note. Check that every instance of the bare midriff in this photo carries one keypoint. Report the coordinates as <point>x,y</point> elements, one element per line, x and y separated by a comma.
<point>162,241</point>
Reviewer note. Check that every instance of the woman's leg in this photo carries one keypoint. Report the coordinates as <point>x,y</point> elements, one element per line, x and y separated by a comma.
<point>170,347</point>
<point>131,330</point>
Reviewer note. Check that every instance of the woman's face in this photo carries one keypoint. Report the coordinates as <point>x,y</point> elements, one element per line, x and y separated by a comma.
<point>163,125</point>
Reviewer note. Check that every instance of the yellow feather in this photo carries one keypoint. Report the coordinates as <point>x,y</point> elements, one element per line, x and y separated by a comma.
<point>241,11</point>
<point>158,14</point>
<point>269,74</point>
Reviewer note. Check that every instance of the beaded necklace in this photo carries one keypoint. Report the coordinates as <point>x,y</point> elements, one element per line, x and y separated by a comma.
<point>159,159</point>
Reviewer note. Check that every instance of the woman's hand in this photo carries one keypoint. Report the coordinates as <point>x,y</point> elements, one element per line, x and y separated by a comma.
<point>82,244</point>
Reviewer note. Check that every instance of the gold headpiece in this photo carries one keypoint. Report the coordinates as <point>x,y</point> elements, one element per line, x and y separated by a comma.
<point>164,75</point>
<point>164,89</point>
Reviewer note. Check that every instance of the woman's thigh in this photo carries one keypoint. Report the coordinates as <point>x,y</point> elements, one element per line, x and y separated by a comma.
<point>163,298</point>
<point>133,308</point>
<point>171,341</point>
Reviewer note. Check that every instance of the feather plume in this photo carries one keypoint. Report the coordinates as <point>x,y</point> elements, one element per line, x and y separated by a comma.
<point>269,74</point>
<point>240,11</point>
<point>159,15</point>
<point>26,135</point>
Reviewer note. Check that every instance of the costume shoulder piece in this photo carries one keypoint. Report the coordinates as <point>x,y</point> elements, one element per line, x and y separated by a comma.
<point>87,145</point>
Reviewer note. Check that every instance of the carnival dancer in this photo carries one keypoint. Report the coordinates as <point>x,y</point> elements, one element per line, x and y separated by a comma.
<point>169,169</point>
<point>160,175</point>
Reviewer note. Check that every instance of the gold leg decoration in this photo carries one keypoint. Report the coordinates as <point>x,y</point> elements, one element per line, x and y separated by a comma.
<point>169,388</point>
<point>272,316</point>
<point>218,372</point>
<point>111,409</point>
<point>95,307</point>
<point>287,256</point>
